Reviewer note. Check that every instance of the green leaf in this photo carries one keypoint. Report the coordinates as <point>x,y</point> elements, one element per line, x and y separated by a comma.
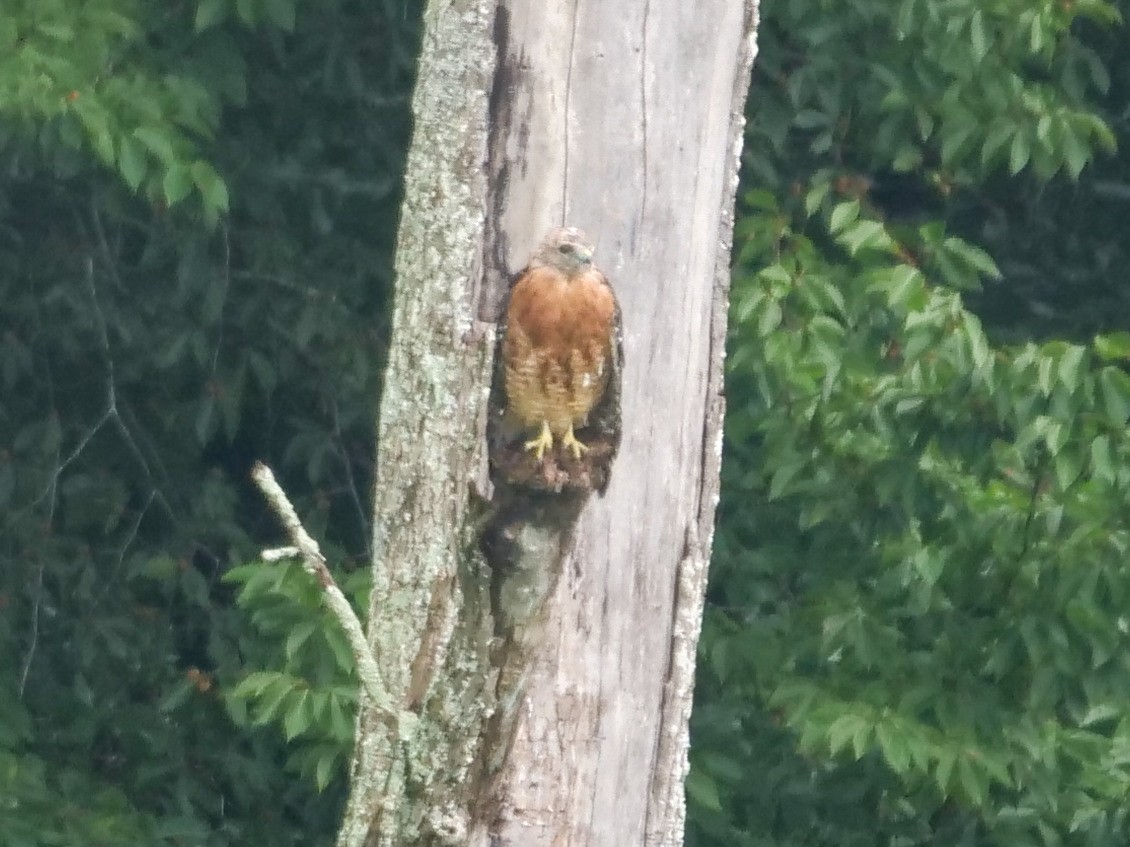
<point>814,199</point>
<point>1076,152</point>
<point>341,720</point>
<point>1102,462</point>
<point>702,790</point>
<point>1036,35</point>
<point>96,121</point>
<point>211,12</point>
<point>254,684</point>
<point>978,39</point>
<point>131,162</point>
<point>279,691</point>
<point>1113,346</point>
<point>1043,128</point>
<point>1000,131</point>
<point>893,746</point>
<point>929,564</point>
<point>297,717</point>
<point>1068,464</point>
<point>848,728</point>
<point>924,120</point>
<point>863,235</point>
<point>972,781</point>
<point>776,275</point>
<point>158,143</point>
<point>944,771</point>
<point>1071,368</point>
<point>761,199</point>
<point>783,476</point>
<point>1101,712</point>
<point>956,137</point>
<point>324,770</point>
<point>842,215</point>
<point>339,645</point>
<point>1115,385</point>
<point>298,637</point>
<point>907,158</point>
<point>904,285</point>
<point>177,184</point>
<point>247,11</point>
<point>979,350</point>
<point>973,256</point>
<point>1019,153</point>
<point>770,317</point>
<point>211,186</point>
<point>1100,130</point>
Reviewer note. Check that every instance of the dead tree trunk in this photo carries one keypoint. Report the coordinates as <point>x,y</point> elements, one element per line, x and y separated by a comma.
<point>565,723</point>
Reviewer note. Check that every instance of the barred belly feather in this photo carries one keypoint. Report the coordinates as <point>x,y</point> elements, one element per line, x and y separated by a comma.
<point>558,340</point>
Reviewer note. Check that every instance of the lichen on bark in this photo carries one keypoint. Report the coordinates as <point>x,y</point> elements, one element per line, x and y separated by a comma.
<point>426,625</point>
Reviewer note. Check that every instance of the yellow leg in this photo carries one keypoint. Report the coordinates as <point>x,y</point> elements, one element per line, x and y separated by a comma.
<point>543,442</point>
<point>570,441</point>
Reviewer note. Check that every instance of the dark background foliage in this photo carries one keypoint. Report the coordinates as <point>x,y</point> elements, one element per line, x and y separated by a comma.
<point>155,343</point>
<point>915,631</point>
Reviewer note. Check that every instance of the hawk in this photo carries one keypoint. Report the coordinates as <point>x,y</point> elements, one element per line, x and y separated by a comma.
<point>561,352</point>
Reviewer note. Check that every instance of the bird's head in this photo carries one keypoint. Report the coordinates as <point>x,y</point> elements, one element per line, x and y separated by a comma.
<point>566,249</point>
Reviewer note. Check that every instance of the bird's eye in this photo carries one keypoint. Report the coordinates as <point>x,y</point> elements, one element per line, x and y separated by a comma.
<point>566,249</point>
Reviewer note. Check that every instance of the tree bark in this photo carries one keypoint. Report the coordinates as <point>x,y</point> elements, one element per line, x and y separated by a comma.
<point>569,726</point>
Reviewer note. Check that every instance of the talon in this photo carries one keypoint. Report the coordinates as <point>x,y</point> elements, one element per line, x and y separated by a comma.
<point>570,441</point>
<point>543,442</point>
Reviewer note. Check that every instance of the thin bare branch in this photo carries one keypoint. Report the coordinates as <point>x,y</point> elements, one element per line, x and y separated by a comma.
<point>34,641</point>
<point>314,563</point>
<point>351,481</point>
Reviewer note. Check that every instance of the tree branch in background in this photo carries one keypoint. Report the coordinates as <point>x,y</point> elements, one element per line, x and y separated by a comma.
<point>306,548</point>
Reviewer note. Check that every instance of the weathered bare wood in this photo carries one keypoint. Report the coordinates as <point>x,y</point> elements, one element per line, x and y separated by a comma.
<point>624,122</point>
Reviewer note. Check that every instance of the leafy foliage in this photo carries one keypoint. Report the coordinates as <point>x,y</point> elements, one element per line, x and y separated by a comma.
<point>197,209</point>
<point>84,78</point>
<point>916,622</point>
<point>915,633</point>
<point>319,705</point>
